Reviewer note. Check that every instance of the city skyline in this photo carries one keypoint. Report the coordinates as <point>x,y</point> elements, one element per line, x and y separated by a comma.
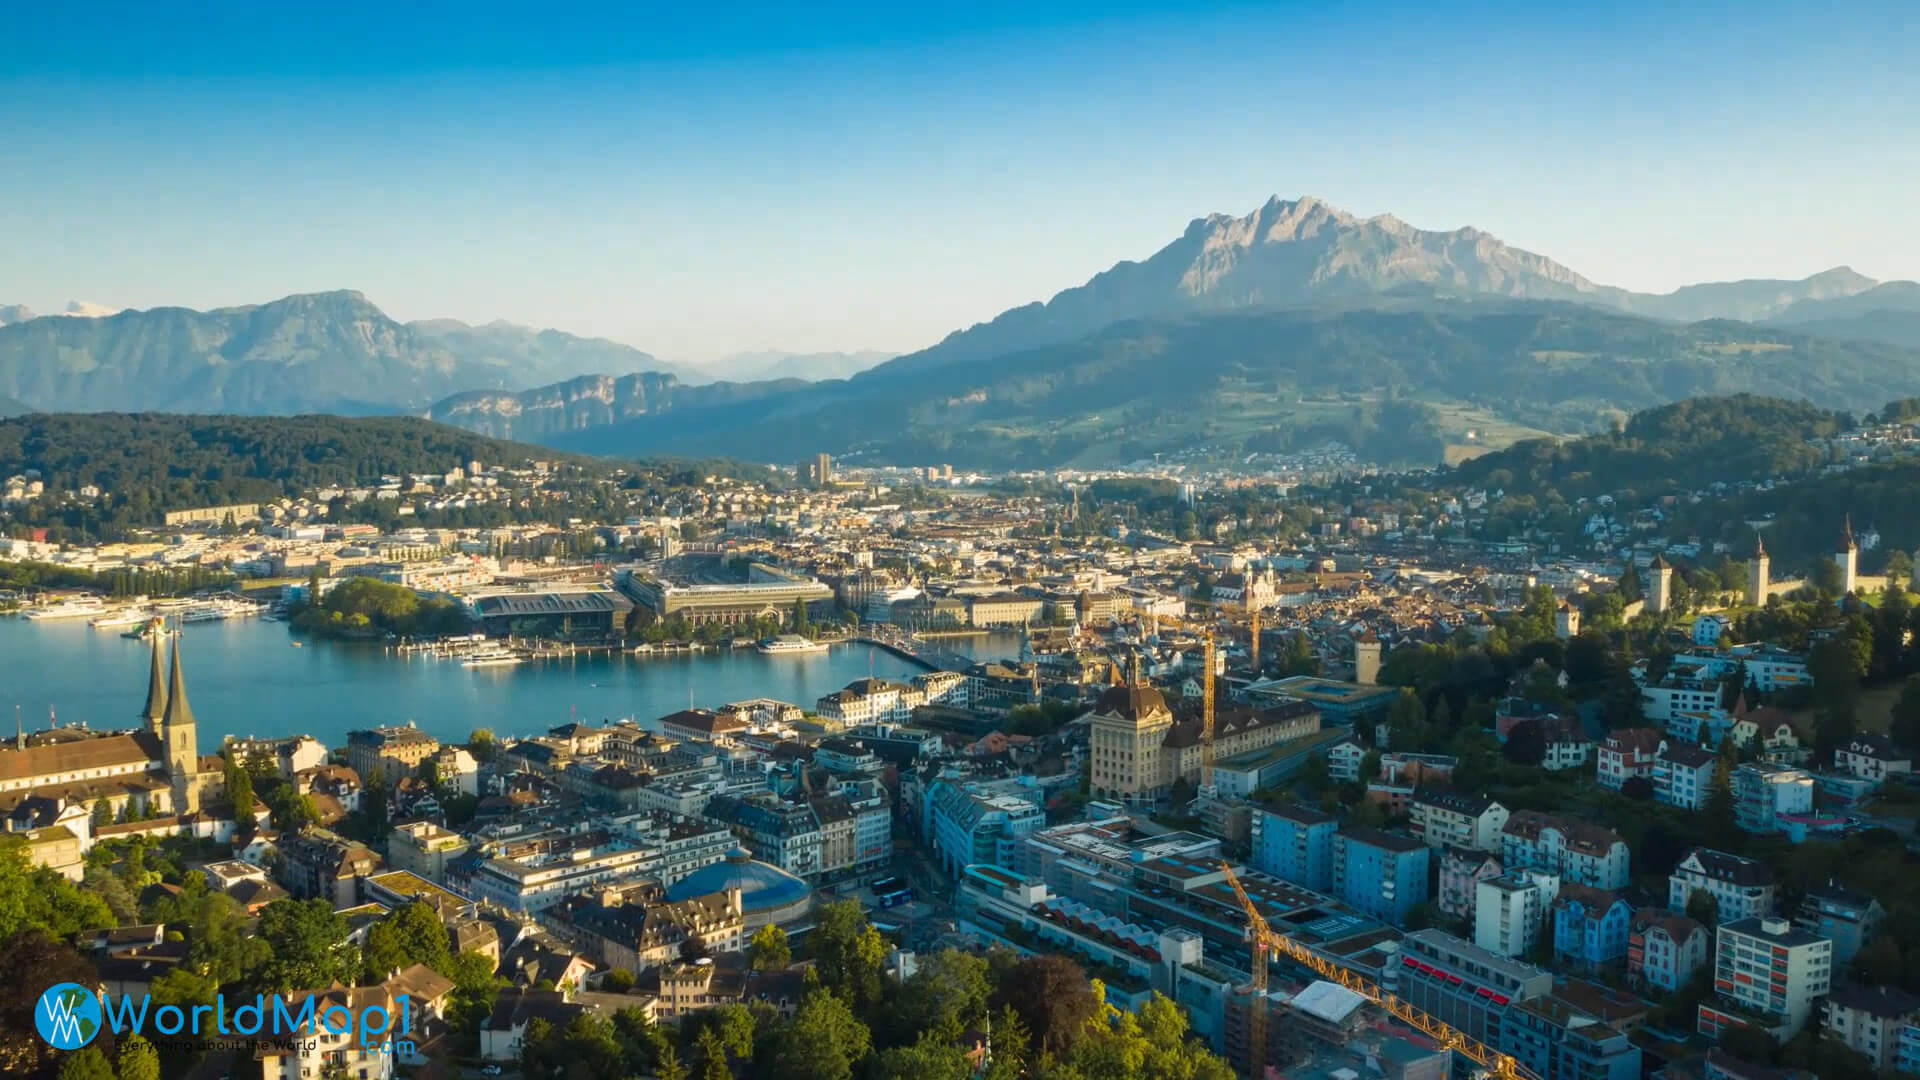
<point>702,183</point>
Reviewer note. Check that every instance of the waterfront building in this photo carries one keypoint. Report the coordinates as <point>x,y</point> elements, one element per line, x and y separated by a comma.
<point>768,593</point>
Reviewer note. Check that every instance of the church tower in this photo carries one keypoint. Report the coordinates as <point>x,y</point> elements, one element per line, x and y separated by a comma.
<point>183,745</point>
<point>155,714</point>
<point>1660,587</point>
<point>1757,573</point>
<point>1846,555</point>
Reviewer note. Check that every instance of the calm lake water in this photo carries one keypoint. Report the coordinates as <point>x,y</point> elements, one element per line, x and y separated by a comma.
<point>244,677</point>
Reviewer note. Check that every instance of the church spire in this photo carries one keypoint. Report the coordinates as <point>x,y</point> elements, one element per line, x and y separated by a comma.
<point>1759,545</point>
<point>178,711</point>
<point>155,712</point>
<point>1846,534</point>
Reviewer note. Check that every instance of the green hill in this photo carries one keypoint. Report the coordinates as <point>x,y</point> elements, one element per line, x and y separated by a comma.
<point>1254,379</point>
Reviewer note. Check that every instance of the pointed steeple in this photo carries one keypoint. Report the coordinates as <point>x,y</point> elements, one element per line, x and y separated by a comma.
<point>1846,535</point>
<point>178,711</point>
<point>155,712</point>
<point>1759,545</point>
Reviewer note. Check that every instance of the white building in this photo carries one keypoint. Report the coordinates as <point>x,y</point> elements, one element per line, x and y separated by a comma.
<point>1683,774</point>
<point>1872,757</point>
<point>1446,819</point>
<point>1509,910</point>
<point>1576,851</point>
<point>1741,888</point>
<point>1768,968</point>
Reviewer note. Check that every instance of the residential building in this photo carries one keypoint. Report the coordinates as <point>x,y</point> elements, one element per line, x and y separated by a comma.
<point>1464,986</point>
<point>1625,754</point>
<point>1461,872</point>
<point>1553,1040</point>
<point>646,931</point>
<point>1590,926</point>
<point>1683,774</point>
<point>1443,818</point>
<point>1509,910</point>
<point>1768,974</point>
<point>424,848</point>
<point>782,834</point>
<point>1741,888</point>
<point>1344,759</point>
<point>1872,757</point>
<point>1869,1019</point>
<point>1568,747</point>
<point>315,863</point>
<point>1764,794</point>
<point>391,752</point>
<point>1846,917</point>
<point>1576,851</point>
<point>1665,950</point>
<point>1380,873</point>
<point>319,1049</point>
<point>1295,843</point>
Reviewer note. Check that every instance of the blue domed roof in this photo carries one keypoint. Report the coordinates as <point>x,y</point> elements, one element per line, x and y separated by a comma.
<point>762,887</point>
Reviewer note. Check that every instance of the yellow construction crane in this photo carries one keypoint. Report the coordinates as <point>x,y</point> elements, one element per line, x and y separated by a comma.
<point>1253,645</point>
<point>1265,939</point>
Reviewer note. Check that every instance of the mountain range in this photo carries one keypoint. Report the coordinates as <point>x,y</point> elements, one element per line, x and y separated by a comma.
<point>1296,320</point>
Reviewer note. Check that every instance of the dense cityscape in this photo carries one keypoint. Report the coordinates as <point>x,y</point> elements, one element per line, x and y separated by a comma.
<point>1539,790</point>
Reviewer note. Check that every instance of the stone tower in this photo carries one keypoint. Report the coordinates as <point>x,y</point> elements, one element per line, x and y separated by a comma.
<point>1659,586</point>
<point>155,714</point>
<point>1366,659</point>
<point>1566,621</point>
<point>1846,555</point>
<point>1757,578</point>
<point>182,743</point>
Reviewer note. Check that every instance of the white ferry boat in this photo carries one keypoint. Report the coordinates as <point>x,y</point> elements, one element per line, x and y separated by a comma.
<point>75,607</point>
<point>203,613</point>
<point>791,643</point>
<point>492,658</point>
<point>128,616</point>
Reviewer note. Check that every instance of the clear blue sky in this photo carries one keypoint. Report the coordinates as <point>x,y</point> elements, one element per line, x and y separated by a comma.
<point>702,179</point>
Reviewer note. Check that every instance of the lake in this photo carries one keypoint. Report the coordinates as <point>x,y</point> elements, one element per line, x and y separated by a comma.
<point>244,677</point>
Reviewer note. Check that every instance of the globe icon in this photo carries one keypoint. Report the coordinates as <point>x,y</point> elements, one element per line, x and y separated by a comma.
<point>67,1016</point>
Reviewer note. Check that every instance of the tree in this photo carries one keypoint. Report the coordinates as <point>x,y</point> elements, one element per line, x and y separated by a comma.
<point>928,1058</point>
<point>138,1060</point>
<point>848,953</point>
<point>1526,743</point>
<point>30,961</point>
<point>482,745</point>
<point>87,1063</point>
<point>823,1042</point>
<point>945,997</point>
<point>768,951</point>
<point>617,981</point>
<point>1638,788</point>
<point>712,1057</point>
<point>1053,997</point>
<point>1833,728</point>
<point>239,786</point>
<point>1703,908</point>
<point>1407,722</point>
<point>308,942</point>
<point>1899,569</point>
<point>1748,1043</point>
<point>1879,962</point>
<point>1905,725</point>
<point>102,813</point>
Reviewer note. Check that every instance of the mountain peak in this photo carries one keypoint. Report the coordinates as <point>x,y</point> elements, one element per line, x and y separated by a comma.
<point>87,309</point>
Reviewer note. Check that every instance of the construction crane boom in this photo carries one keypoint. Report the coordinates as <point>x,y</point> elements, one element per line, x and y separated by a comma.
<point>1265,939</point>
<point>1206,713</point>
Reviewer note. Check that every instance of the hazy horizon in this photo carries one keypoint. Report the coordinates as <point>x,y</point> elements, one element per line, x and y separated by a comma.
<point>702,183</point>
